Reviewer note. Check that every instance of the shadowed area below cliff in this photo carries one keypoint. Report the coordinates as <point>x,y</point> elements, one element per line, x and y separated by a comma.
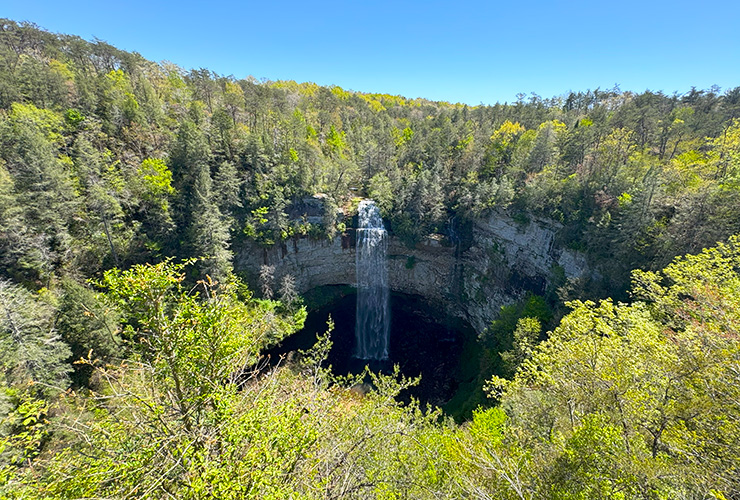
<point>423,341</point>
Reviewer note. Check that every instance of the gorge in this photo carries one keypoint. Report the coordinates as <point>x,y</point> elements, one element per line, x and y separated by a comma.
<point>173,242</point>
<point>503,260</point>
<point>442,296</point>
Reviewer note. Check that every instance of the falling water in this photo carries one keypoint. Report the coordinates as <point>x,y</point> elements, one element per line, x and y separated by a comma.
<point>373,313</point>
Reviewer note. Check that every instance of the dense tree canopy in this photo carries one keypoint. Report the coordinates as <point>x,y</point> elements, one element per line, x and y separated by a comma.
<point>109,159</point>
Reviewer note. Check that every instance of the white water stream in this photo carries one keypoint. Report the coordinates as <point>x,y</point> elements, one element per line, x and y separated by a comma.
<point>372,329</point>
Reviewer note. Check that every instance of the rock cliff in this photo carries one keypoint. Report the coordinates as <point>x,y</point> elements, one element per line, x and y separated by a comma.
<point>505,260</point>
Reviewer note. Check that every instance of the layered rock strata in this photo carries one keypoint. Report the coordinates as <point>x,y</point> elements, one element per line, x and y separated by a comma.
<point>505,260</point>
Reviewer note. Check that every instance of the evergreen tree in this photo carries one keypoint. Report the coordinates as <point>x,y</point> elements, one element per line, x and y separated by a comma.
<point>32,356</point>
<point>208,232</point>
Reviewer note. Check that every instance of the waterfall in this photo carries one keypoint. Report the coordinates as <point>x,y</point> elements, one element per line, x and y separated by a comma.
<point>372,329</point>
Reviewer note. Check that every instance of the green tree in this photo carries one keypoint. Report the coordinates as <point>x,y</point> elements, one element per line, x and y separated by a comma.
<point>175,404</point>
<point>88,327</point>
<point>107,231</point>
<point>502,147</point>
<point>154,191</point>
<point>121,107</point>
<point>12,227</point>
<point>43,187</point>
<point>33,358</point>
<point>380,190</point>
<point>659,375</point>
<point>227,185</point>
<point>697,298</point>
<point>544,150</point>
<point>208,233</point>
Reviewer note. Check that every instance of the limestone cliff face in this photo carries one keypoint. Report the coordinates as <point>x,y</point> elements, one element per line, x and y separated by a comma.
<point>508,259</point>
<point>311,262</point>
<point>505,260</point>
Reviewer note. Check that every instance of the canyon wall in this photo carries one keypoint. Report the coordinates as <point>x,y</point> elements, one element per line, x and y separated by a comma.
<point>505,260</point>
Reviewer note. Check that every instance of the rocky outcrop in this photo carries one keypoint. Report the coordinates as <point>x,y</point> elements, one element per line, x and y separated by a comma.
<point>311,262</point>
<point>505,260</point>
<point>508,259</point>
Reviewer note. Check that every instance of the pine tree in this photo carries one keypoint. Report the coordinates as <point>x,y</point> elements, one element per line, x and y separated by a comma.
<point>208,234</point>
<point>31,352</point>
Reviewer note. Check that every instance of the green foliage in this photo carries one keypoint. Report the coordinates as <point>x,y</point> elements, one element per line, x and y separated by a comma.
<point>32,356</point>
<point>336,142</point>
<point>595,463</point>
<point>525,337</point>
<point>88,327</point>
<point>185,417</point>
<point>502,147</point>
<point>42,189</point>
<point>258,227</point>
<point>73,118</point>
<point>638,392</point>
<point>45,121</point>
<point>380,190</point>
<point>525,317</point>
<point>92,122</point>
<point>157,180</point>
<point>208,231</point>
<point>192,346</point>
<point>485,461</point>
<point>23,431</point>
<point>196,336</point>
<point>107,159</point>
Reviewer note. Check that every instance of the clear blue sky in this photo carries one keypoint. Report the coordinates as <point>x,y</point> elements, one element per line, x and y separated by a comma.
<point>472,52</point>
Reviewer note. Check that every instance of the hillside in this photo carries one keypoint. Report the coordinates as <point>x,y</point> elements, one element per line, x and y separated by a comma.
<point>131,346</point>
<point>142,160</point>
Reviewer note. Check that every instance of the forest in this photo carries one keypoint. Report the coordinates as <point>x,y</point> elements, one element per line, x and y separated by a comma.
<point>130,362</point>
